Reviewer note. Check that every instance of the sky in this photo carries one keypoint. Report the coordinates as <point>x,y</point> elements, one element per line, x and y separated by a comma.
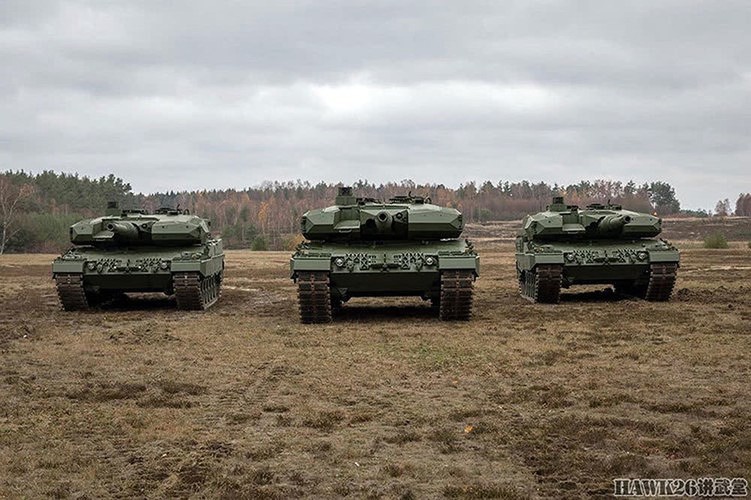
<point>216,94</point>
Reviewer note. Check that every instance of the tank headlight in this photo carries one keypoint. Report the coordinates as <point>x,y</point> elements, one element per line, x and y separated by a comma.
<point>429,261</point>
<point>570,257</point>
<point>339,262</point>
<point>91,265</point>
<point>642,255</point>
<point>100,268</point>
<point>164,265</point>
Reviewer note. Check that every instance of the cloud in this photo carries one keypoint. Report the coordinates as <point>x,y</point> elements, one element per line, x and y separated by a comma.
<point>219,94</point>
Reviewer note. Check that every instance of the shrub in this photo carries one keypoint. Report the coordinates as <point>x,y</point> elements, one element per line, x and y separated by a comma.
<point>716,240</point>
<point>259,243</point>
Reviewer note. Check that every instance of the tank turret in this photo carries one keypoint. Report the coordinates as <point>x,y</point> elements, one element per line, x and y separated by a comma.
<point>568,222</point>
<point>166,227</point>
<point>401,218</point>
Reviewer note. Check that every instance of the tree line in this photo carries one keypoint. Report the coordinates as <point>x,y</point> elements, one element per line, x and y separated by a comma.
<point>36,209</point>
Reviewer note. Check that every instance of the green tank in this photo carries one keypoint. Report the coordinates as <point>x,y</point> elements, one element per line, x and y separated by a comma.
<point>602,244</point>
<point>361,247</point>
<point>170,251</point>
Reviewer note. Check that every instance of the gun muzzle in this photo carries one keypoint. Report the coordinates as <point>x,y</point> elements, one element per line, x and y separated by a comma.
<point>383,222</point>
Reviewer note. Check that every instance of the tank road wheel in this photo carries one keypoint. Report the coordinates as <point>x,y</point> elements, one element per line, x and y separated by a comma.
<point>71,292</point>
<point>661,282</point>
<point>543,284</point>
<point>195,292</point>
<point>456,295</point>
<point>314,296</point>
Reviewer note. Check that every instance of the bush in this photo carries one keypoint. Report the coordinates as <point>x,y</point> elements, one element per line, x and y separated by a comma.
<point>716,240</point>
<point>259,244</point>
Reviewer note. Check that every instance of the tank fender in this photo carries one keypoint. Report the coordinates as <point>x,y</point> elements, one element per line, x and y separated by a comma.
<point>206,267</point>
<point>323,264</point>
<point>447,263</point>
<point>67,266</point>
<point>529,261</point>
<point>664,256</point>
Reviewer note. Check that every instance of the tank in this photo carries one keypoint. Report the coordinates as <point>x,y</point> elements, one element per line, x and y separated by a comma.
<point>361,247</point>
<point>169,251</point>
<point>602,244</point>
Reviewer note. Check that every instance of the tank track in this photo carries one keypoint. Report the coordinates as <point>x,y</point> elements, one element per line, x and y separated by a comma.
<point>194,292</point>
<point>314,297</point>
<point>543,285</point>
<point>71,292</point>
<point>661,282</point>
<point>659,288</point>
<point>456,295</point>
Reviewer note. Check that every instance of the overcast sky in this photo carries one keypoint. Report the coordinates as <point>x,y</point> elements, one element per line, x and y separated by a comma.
<point>211,94</point>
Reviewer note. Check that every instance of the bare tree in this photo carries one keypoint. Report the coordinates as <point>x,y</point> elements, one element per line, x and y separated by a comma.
<point>11,195</point>
<point>722,209</point>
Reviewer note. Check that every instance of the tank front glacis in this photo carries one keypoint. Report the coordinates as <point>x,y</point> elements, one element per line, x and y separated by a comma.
<point>169,251</point>
<point>602,244</point>
<point>363,248</point>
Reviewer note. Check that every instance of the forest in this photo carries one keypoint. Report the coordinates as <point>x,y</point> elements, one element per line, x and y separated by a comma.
<point>36,209</point>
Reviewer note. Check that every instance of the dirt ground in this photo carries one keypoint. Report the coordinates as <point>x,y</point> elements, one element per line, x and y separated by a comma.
<point>524,401</point>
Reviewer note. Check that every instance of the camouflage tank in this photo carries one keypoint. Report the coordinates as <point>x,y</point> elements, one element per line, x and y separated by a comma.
<point>361,247</point>
<point>169,251</point>
<point>602,244</point>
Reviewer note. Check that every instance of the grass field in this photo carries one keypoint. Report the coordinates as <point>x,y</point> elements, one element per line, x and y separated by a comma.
<point>524,401</point>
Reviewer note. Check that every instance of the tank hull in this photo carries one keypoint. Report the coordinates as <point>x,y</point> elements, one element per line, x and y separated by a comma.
<point>386,269</point>
<point>96,273</point>
<point>627,264</point>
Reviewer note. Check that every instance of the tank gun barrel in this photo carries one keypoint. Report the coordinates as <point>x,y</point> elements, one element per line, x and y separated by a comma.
<point>383,222</point>
<point>123,230</point>
<point>612,223</point>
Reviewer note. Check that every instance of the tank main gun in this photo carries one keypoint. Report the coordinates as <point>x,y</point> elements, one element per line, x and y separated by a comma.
<point>612,224</point>
<point>383,222</point>
<point>123,231</point>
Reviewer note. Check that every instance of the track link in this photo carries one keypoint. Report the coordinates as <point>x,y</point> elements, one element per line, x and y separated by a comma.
<point>314,297</point>
<point>661,282</point>
<point>456,295</point>
<point>543,284</point>
<point>195,292</point>
<point>70,291</point>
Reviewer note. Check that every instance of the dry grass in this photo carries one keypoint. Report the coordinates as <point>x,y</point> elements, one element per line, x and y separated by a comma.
<point>242,401</point>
